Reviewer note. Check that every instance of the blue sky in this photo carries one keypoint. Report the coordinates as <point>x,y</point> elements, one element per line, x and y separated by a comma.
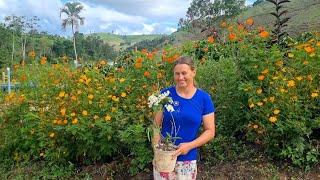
<point>117,16</point>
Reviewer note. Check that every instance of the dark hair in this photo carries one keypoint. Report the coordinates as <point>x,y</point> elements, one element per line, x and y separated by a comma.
<point>185,60</point>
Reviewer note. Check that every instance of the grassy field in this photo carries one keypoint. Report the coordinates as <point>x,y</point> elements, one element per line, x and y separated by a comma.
<point>123,41</point>
<point>304,15</point>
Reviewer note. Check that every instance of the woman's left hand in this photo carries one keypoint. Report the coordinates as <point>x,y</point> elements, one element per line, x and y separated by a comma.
<point>183,149</point>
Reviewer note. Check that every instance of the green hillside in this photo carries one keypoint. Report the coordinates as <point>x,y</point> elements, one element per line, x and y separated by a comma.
<point>304,15</point>
<point>120,42</point>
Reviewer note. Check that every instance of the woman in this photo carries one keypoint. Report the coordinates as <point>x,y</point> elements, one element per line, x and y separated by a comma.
<point>192,108</point>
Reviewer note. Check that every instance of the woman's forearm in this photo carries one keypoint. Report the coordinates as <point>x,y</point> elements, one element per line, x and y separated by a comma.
<point>205,137</point>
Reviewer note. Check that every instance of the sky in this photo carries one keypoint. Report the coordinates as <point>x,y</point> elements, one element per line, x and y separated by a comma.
<point>124,17</point>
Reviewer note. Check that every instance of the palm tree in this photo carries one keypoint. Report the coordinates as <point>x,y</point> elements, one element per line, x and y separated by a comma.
<point>72,10</point>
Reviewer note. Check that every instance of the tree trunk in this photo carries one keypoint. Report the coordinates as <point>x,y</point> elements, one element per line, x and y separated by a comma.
<point>12,55</point>
<point>24,42</point>
<point>74,43</point>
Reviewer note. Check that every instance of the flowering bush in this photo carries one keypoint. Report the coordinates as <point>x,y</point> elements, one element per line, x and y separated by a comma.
<point>264,94</point>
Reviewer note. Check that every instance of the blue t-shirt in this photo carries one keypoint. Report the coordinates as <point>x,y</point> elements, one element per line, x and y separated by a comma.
<point>187,116</point>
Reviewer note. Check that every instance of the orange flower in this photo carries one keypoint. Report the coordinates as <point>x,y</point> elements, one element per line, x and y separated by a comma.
<point>75,121</point>
<point>107,118</point>
<point>260,103</point>
<point>73,97</point>
<point>210,39</point>
<point>90,96</point>
<point>65,121</point>
<point>159,75</point>
<point>32,54</point>
<point>264,34</point>
<point>223,24</point>
<point>84,112</point>
<point>291,83</point>
<point>251,105</point>
<point>309,77</point>
<point>63,111</point>
<point>123,94</point>
<point>115,98</point>
<point>240,27</point>
<point>309,49</point>
<point>250,21</point>
<point>122,80</point>
<point>102,62</point>
<point>273,119</point>
<point>150,56</point>
<point>279,63</point>
<point>138,65</point>
<point>272,98</point>
<point>120,69</point>
<point>276,111</point>
<point>299,78</point>
<point>170,60</point>
<point>259,91</point>
<point>146,74</point>
<point>139,60</point>
<point>261,77</point>
<point>23,78</point>
<point>43,60</point>
<point>314,94</point>
<point>266,71</point>
<point>232,37</point>
<point>51,134</point>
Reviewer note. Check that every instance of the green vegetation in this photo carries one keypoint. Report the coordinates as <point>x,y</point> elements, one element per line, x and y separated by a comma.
<point>122,42</point>
<point>304,15</point>
<point>265,96</point>
<point>92,121</point>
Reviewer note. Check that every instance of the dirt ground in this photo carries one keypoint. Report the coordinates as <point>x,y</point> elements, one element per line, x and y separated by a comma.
<point>239,169</point>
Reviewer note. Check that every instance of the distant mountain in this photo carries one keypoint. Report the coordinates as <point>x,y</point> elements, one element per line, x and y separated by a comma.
<point>120,42</point>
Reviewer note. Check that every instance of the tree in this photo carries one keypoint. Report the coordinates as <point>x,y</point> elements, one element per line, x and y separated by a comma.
<point>21,25</point>
<point>257,2</point>
<point>15,24</point>
<point>233,7</point>
<point>5,45</point>
<point>202,12</point>
<point>73,19</point>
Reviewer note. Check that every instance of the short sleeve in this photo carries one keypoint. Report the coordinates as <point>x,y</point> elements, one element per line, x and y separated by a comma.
<point>208,105</point>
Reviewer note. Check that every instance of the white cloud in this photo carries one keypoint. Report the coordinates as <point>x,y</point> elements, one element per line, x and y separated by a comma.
<point>105,26</point>
<point>170,30</point>
<point>146,8</point>
<point>120,16</point>
<point>99,13</point>
<point>2,4</point>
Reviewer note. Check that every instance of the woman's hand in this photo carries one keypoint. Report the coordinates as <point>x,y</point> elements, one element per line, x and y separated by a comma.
<point>183,149</point>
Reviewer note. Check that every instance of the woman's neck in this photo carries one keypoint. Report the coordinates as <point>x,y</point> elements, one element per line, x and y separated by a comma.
<point>186,92</point>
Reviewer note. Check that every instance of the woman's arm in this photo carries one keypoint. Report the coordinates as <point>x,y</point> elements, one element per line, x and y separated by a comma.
<point>207,135</point>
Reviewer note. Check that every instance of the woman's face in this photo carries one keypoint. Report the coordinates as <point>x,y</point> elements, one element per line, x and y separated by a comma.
<point>183,75</point>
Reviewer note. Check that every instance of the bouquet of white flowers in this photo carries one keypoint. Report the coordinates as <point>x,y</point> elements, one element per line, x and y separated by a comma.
<point>157,101</point>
